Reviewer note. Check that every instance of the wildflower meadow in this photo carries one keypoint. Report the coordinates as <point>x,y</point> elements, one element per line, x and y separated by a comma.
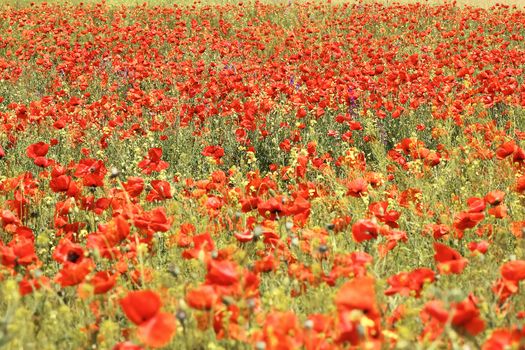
<point>266,175</point>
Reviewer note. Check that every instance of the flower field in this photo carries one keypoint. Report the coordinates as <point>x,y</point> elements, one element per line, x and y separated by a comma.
<point>262,175</point>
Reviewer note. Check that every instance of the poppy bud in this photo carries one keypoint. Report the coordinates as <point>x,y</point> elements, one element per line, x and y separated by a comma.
<point>257,231</point>
<point>174,271</point>
<point>251,303</point>
<point>322,248</point>
<point>227,300</point>
<point>114,173</point>
<point>181,316</point>
<point>308,324</point>
<point>360,330</point>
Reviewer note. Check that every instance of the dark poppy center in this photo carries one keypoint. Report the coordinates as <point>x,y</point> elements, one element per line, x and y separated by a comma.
<point>73,257</point>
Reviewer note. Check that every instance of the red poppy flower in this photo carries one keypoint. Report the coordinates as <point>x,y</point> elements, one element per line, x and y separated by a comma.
<point>504,289</point>
<point>155,220</point>
<point>466,220</point>
<point>436,310</point>
<point>28,285</point>
<point>244,237</point>
<point>448,259</point>
<point>433,158</point>
<point>250,203</point>
<point>103,281</point>
<point>357,187</point>
<point>340,223</point>
<point>499,211</point>
<point>216,152</point>
<point>152,162</point>
<point>158,330</point>
<point>406,282</point>
<point>480,247</point>
<point>476,205</point>
<point>42,162</point>
<point>91,171</point>
<point>466,316</point>
<point>73,273</point>
<point>67,251</point>
<point>7,256</point>
<point>271,209</point>
<point>222,273</point>
<point>438,230</point>
<point>214,203</point>
<point>24,250</point>
<point>161,190</point>
<point>502,339</point>
<point>141,306</point>
<point>60,183</point>
<point>282,330</point>
<point>389,217</point>
<point>514,270</point>
<point>300,209</point>
<point>134,186</point>
<point>266,264</point>
<point>364,230</point>
<point>202,242</point>
<point>517,228</point>
<point>36,150</point>
<point>357,294</point>
<point>116,230</point>
<point>9,218</point>
<point>506,149</point>
<point>495,197</point>
<point>202,297</point>
<point>520,184</point>
<point>127,346</point>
